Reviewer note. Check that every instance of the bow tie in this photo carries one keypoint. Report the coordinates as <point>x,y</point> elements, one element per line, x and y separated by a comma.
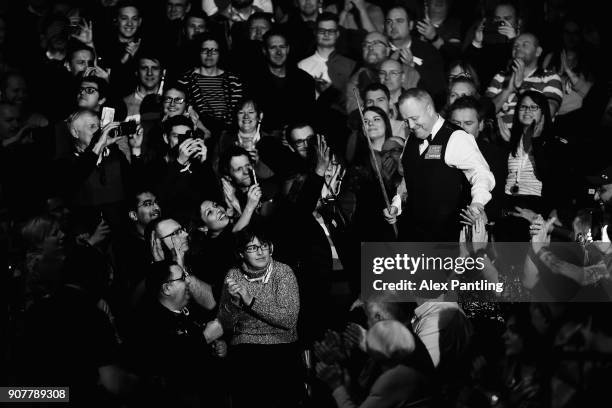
<point>428,138</point>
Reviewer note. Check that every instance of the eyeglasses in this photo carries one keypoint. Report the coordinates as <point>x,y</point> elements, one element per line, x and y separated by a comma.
<point>182,278</point>
<point>89,90</point>
<point>147,203</point>
<point>375,119</point>
<point>176,232</point>
<point>210,51</point>
<point>177,101</point>
<point>373,44</point>
<point>322,31</point>
<point>254,248</point>
<point>390,74</point>
<point>530,108</point>
<point>303,142</point>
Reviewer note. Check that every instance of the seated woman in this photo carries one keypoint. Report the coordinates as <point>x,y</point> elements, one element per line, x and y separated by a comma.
<point>259,309</point>
<point>247,135</point>
<point>211,242</point>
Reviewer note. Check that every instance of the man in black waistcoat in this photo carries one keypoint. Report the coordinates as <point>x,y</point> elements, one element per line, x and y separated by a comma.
<point>437,160</point>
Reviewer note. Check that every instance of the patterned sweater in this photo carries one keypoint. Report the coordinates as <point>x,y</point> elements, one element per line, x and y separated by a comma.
<point>273,318</point>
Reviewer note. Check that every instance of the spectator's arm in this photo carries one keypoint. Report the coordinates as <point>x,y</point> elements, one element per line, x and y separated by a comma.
<point>499,94</point>
<point>201,292</point>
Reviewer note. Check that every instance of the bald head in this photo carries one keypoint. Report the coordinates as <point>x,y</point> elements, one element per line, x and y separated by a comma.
<point>527,47</point>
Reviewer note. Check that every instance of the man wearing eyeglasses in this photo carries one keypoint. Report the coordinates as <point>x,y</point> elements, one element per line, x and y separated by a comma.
<point>169,322</point>
<point>329,69</point>
<point>375,49</point>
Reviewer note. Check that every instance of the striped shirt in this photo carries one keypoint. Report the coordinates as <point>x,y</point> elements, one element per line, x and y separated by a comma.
<point>521,172</point>
<point>214,96</point>
<point>546,82</point>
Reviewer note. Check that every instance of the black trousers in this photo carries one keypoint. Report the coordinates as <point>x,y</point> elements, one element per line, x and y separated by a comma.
<point>265,375</point>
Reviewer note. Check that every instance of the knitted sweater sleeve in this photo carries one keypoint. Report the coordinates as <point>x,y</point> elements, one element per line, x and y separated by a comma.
<point>281,306</point>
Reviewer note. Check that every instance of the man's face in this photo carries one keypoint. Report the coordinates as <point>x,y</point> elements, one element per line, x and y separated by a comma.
<point>301,139</point>
<point>308,7</point>
<point>259,258</point>
<point>173,235</point>
<point>85,127</point>
<point>397,25</point>
<point>374,48</point>
<point>149,73</point>
<point>174,103</point>
<point>147,209</point>
<point>176,9</point>
<point>526,48</point>
<point>176,286</point>
<point>438,7</point>
<point>239,171</point>
<point>505,14</point>
<point>258,28</point>
<point>327,33</point>
<point>467,119</point>
<point>214,216</point>
<point>391,75</point>
<point>194,26</point>
<point>88,96</point>
<point>9,121</point>
<point>460,89</point>
<point>377,98</point>
<point>176,133</point>
<point>209,54</point>
<point>128,21</point>
<point>16,91</point>
<point>80,61</point>
<point>276,51</point>
<point>419,115</point>
<point>604,195</point>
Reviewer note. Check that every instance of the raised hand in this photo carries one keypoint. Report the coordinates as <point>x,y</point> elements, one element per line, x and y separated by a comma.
<point>85,33</point>
<point>330,374</point>
<point>323,156</point>
<point>508,30</point>
<point>186,149</point>
<point>427,29</point>
<point>253,196</point>
<point>238,289</point>
<point>354,337</point>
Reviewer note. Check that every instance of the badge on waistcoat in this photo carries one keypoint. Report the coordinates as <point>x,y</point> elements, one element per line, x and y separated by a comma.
<point>434,152</point>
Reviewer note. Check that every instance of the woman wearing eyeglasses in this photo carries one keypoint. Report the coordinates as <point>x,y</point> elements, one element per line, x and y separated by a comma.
<point>535,156</point>
<point>259,308</point>
<point>214,92</point>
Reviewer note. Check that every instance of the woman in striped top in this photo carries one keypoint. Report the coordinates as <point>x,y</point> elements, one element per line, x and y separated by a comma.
<point>213,92</point>
<point>528,162</point>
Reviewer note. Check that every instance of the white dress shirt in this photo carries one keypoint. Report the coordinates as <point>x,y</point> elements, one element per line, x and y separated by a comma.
<point>463,153</point>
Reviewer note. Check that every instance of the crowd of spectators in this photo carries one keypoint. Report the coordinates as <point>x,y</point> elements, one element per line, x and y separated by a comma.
<point>185,186</point>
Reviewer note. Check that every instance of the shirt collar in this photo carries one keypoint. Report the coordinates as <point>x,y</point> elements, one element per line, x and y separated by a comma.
<point>263,278</point>
<point>436,127</point>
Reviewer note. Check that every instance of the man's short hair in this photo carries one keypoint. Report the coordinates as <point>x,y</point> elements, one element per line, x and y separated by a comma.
<point>148,54</point>
<point>468,102</point>
<point>197,14</point>
<point>134,201</point>
<point>327,16</point>
<point>158,274</point>
<point>410,14</point>
<point>375,86</point>
<point>128,3</point>
<point>415,93</point>
<point>275,32</point>
<point>293,126</point>
<point>260,15</point>
<point>228,155</point>
<point>178,120</point>
<point>75,46</point>
<point>101,83</point>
